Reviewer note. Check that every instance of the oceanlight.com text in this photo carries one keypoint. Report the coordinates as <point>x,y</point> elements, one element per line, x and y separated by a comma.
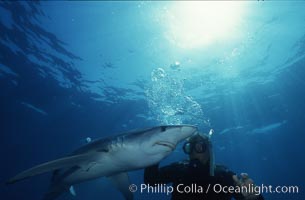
<point>216,188</point>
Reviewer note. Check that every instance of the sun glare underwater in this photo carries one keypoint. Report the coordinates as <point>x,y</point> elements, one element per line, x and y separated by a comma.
<point>197,23</point>
<point>72,72</point>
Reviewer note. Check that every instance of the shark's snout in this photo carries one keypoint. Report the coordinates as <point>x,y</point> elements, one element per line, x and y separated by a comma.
<point>188,129</point>
<point>172,135</point>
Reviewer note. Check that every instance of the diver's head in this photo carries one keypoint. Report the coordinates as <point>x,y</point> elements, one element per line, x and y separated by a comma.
<point>198,147</point>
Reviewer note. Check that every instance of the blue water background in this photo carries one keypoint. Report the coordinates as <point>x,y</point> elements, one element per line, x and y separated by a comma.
<point>72,70</point>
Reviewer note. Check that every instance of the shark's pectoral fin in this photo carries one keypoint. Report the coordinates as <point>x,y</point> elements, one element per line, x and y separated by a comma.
<point>121,181</point>
<point>64,162</point>
<point>55,192</point>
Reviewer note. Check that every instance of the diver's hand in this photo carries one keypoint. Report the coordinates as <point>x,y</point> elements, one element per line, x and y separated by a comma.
<point>245,181</point>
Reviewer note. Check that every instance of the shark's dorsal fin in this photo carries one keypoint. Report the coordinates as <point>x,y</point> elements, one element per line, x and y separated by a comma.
<point>64,162</point>
<point>121,182</point>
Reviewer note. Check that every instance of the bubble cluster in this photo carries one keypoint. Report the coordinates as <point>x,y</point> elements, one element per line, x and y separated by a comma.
<point>167,100</point>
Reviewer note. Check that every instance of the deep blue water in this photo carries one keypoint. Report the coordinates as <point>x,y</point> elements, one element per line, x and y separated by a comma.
<point>72,70</point>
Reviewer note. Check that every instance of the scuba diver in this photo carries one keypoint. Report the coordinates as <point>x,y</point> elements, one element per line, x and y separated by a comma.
<point>200,170</point>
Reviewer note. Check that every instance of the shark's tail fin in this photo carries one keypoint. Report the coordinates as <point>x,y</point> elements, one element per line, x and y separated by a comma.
<point>65,162</point>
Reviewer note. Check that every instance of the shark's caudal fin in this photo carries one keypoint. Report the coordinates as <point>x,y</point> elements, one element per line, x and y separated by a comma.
<point>65,162</point>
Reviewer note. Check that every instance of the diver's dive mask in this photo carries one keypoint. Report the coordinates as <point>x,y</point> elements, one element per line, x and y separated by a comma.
<point>199,147</point>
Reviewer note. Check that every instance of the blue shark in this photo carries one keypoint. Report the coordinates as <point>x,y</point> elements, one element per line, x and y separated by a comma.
<point>110,157</point>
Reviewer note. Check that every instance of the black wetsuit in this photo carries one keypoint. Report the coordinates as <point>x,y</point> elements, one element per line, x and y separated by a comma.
<point>193,174</point>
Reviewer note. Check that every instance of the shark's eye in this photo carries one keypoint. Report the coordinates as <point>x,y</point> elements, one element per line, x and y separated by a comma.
<point>163,128</point>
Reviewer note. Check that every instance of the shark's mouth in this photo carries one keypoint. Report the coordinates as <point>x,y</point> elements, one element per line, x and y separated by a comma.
<point>166,144</point>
